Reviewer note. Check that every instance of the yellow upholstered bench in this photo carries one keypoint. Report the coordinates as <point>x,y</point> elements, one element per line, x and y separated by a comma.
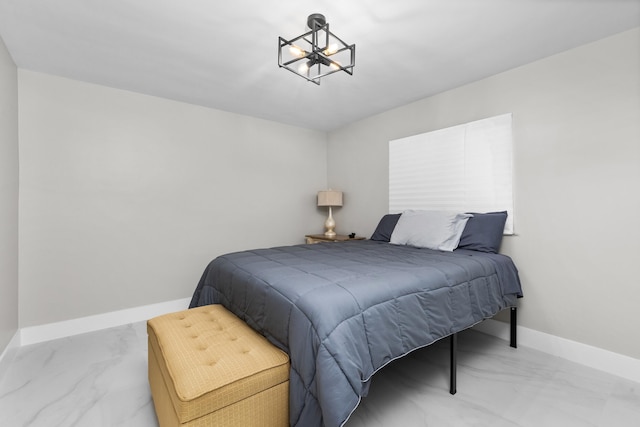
<point>209,368</point>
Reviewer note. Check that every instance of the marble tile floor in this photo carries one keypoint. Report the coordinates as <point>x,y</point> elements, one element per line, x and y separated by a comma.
<point>100,379</point>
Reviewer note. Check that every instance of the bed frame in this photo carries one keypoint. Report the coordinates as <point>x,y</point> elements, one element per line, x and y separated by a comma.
<point>453,348</point>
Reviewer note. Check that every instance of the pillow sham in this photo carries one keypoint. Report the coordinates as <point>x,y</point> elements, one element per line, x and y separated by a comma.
<point>385,228</point>
<point>483,232</point>
<point>438,230</point>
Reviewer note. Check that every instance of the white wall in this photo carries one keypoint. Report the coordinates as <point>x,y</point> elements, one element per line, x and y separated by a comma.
<point>8,198</point>
<point>124,198</point>
<point>576,118</point>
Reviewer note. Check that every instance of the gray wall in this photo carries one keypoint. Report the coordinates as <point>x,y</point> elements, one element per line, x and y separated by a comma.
<point>124,198</point>
<point>8,198</point>
<point>576,121</point>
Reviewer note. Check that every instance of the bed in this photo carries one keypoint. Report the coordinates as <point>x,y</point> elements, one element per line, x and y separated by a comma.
<point>342,311</point>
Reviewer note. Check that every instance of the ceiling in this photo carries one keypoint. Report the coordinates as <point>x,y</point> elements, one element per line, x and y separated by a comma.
<point>223,55</point>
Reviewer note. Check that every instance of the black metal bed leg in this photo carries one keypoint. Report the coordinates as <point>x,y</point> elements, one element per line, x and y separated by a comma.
<point>453,340</point>
<point>514,324</point>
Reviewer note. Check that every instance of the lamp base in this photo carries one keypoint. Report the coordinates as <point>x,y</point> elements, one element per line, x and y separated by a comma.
<point>330,225</point>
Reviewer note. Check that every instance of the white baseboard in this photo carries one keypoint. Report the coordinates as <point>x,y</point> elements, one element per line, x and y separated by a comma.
<point>52,331</point>
<point>9,353</point>
<point>597,358</point>
<point>593,357</point>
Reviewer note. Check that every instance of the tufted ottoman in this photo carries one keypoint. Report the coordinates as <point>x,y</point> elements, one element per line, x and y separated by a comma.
<point>208,368</point>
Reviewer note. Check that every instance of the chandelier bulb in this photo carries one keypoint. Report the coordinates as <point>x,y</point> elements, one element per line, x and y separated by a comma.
<point>331,49</point>
<point>303,68</point>
<point>296,51</point>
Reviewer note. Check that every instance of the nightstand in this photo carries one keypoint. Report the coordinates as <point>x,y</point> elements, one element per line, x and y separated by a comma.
<point>317,238</point>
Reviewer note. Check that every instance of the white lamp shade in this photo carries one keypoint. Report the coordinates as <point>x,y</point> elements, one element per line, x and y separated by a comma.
<point>329,198</point>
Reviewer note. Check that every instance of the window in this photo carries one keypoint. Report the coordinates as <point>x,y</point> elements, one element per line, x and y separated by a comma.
<point>463,168</point>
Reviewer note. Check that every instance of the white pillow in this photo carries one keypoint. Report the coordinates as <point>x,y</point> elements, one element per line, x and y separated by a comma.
<point>438,230</point>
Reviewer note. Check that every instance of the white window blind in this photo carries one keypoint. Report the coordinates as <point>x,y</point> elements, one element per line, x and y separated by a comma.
<point>465,168</point>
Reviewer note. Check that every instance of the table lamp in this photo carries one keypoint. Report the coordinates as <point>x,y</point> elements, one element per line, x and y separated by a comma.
<point>330,198</point>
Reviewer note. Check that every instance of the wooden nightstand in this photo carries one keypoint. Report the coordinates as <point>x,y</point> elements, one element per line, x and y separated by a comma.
<point>317,238</point>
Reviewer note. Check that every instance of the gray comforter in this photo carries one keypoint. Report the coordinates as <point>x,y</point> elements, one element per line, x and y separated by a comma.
<point>344,310</point>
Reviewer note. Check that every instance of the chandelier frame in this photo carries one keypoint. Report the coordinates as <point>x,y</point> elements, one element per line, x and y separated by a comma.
<point>316,59</point>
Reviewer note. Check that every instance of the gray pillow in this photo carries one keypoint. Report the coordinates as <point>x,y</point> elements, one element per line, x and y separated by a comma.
<point>483,232</point>
<point>438,230</point>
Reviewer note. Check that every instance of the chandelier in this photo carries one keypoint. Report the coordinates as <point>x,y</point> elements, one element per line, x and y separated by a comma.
<point>317,53</point>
